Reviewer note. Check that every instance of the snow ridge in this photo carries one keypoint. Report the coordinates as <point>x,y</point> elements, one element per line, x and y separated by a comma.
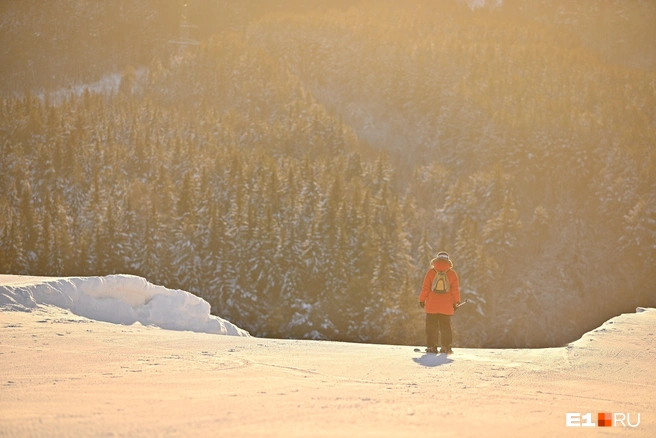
<point>119,299</point>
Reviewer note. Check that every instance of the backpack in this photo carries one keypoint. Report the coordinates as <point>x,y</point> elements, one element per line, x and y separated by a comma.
<point>441,282</point>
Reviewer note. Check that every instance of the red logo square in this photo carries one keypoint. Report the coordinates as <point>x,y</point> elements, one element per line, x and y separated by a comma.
<point>604,419</point>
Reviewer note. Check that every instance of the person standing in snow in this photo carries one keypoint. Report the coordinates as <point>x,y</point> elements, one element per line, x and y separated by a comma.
<point>440,294</point>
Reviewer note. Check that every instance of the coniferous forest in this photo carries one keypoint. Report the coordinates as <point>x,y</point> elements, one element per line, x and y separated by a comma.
<point>300,166</point>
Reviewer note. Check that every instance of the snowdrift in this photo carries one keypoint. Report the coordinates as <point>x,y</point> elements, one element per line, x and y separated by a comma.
<point>119,299</point>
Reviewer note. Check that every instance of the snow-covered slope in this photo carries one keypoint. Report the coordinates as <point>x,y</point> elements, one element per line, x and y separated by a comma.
<point>120,299</point>
<point>66,375</point>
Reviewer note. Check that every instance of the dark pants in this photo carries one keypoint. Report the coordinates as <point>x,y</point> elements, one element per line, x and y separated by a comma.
<point>437,324</point>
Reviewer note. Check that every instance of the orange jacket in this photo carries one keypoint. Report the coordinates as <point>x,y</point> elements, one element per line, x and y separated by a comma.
<point>440,303</point>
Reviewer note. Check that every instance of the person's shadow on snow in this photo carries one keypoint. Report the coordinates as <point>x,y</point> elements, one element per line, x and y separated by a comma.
<point>432,360</point>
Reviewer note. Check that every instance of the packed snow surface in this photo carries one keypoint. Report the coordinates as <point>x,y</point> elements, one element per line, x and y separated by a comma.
<point>119,299</point>
<point>62,374</point>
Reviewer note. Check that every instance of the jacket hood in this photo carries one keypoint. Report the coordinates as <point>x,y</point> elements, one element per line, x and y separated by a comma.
<point>442,265</point>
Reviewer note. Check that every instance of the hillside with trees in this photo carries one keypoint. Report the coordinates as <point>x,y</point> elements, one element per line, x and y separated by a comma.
<point>299,167</point>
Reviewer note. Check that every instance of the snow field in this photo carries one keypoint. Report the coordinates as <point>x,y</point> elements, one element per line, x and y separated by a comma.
<point>62,374</point>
